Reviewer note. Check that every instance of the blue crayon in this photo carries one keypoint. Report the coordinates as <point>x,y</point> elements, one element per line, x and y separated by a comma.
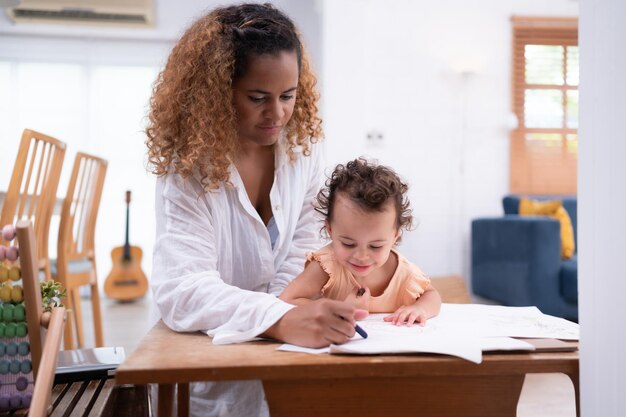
<point>360,331</point>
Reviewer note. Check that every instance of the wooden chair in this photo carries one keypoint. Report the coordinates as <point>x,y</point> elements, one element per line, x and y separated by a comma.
<point>33,186</point>
<point>75,265</point>
<point>28,363</point>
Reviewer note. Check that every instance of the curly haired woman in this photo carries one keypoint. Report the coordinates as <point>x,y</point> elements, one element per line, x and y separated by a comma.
<point>232,137</point>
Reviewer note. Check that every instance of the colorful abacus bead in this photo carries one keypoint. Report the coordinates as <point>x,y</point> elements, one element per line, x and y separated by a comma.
<point>5,293</point>
<point>3,253</point>
<point>19,312</point>
<point>17,294</point>
<point>26,399</point>
<point>15,401</point>
<point>11,349</point>
<point>23,348</point>
<point>7,312</point>
<point>12,253</point>
<point>15,273</point>
<point>26,366</point>
<point>10,330</point>
<point>8,232</point>
<point>21,330</point>
<point>4,367</point>
<point>15,366</point>
<point>4,272</point>
<point>21,384</point>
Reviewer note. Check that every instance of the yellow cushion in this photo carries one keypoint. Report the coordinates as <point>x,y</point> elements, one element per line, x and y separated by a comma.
<point>554,209</point>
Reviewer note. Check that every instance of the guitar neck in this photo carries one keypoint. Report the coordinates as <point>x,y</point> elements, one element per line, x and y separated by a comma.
<point>127,240</point>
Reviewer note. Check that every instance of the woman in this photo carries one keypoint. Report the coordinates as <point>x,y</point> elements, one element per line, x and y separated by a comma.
<point>232,136</point>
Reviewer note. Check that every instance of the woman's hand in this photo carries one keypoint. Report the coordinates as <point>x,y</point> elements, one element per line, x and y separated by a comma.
<point>360,299</point>
<point>413,313</point>
<point>317,324</point>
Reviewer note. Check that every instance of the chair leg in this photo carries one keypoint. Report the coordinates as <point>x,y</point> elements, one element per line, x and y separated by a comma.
<point>78,317</point>
<point>97,315</point>
<point>68,332</point>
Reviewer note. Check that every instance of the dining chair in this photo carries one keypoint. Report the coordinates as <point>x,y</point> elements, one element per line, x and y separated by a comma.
<point>75,265</point>
<point>30,338</point>
<point>32,188</point>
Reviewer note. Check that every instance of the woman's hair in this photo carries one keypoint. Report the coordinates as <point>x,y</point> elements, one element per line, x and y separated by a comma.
<point>370,186</point>
<point>192,121</point>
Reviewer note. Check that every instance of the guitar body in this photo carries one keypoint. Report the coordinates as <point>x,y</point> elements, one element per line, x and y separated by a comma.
<point>126,281</point>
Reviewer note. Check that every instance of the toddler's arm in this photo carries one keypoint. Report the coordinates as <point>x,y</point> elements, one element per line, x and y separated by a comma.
<point>425,307</point>
<point>307,286</point>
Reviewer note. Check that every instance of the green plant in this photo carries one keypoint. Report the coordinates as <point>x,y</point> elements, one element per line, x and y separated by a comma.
<point>51,294</point>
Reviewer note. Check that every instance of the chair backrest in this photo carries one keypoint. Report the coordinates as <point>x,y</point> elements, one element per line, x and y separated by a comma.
<point>27,364</point>
<point>510,205</point>
<point>33,186</point>
<point>80,209</point>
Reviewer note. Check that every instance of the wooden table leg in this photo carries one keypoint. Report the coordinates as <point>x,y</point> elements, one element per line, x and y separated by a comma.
<point>442,396</point>
<point>183,400</point>
<point>166,400</point>
<point>575,380</point>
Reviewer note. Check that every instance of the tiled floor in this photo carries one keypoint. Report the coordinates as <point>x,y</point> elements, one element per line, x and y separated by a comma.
<point>543,395</point>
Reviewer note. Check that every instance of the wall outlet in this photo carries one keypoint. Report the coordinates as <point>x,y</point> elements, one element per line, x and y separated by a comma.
<point>374,137</point>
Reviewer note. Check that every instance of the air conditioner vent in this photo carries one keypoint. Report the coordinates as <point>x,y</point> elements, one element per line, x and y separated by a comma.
<point>81,15</point>
<point>131,13</point>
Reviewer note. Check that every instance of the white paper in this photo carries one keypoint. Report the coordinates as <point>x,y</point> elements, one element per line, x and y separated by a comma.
<point>489,320</point>
<point>462,330</point>
<point>380,343</point>
<point>293,348</point>
<point>504,343</point>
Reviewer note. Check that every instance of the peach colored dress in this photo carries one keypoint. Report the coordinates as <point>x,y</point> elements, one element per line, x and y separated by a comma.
<point>407,284</point>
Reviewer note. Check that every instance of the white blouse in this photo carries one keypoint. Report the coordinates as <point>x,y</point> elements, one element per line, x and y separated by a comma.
<point>214,269</point>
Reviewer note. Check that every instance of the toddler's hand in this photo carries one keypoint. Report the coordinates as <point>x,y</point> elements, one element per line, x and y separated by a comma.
<point>408,315</point>
<point>360,298</point>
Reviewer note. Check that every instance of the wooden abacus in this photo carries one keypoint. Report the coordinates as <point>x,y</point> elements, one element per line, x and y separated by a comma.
<point>27,365</point>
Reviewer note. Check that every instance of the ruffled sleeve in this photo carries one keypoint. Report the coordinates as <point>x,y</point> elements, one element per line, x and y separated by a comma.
<point>327,261</point>
<point>324,258</point>
<point>416,282</point>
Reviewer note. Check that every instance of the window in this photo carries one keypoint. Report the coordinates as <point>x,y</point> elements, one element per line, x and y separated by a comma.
<point>94,108</point>
<point>544,147</point>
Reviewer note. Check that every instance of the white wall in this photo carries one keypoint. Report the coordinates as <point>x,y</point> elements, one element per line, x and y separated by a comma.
<point>602,198</point>
<point>434,79</point>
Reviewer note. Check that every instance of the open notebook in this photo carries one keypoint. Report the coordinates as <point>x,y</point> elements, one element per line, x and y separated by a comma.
<point>462,330</point>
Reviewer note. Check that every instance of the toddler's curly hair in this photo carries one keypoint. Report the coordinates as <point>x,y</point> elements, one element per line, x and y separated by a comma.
<point>192,122</point>
<point>370,186</point>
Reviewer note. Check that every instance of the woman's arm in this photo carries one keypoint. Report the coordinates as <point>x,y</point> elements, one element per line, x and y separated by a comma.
<point>317,324</point>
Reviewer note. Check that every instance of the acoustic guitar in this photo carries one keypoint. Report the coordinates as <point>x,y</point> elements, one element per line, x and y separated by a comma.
<point>126,281</point>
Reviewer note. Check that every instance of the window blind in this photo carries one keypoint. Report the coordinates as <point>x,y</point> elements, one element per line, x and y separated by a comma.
<point>544,147</point>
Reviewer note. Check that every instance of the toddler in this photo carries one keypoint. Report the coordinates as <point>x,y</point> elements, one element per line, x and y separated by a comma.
<point>365,209</point>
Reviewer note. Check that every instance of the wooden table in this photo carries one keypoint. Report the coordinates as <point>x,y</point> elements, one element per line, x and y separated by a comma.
<point>299,384</point>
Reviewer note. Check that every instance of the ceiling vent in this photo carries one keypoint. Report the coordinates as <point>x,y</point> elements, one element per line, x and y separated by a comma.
<point>130,13</point>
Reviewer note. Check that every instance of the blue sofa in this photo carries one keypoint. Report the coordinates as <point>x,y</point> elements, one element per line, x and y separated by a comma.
<point>516,260</point>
